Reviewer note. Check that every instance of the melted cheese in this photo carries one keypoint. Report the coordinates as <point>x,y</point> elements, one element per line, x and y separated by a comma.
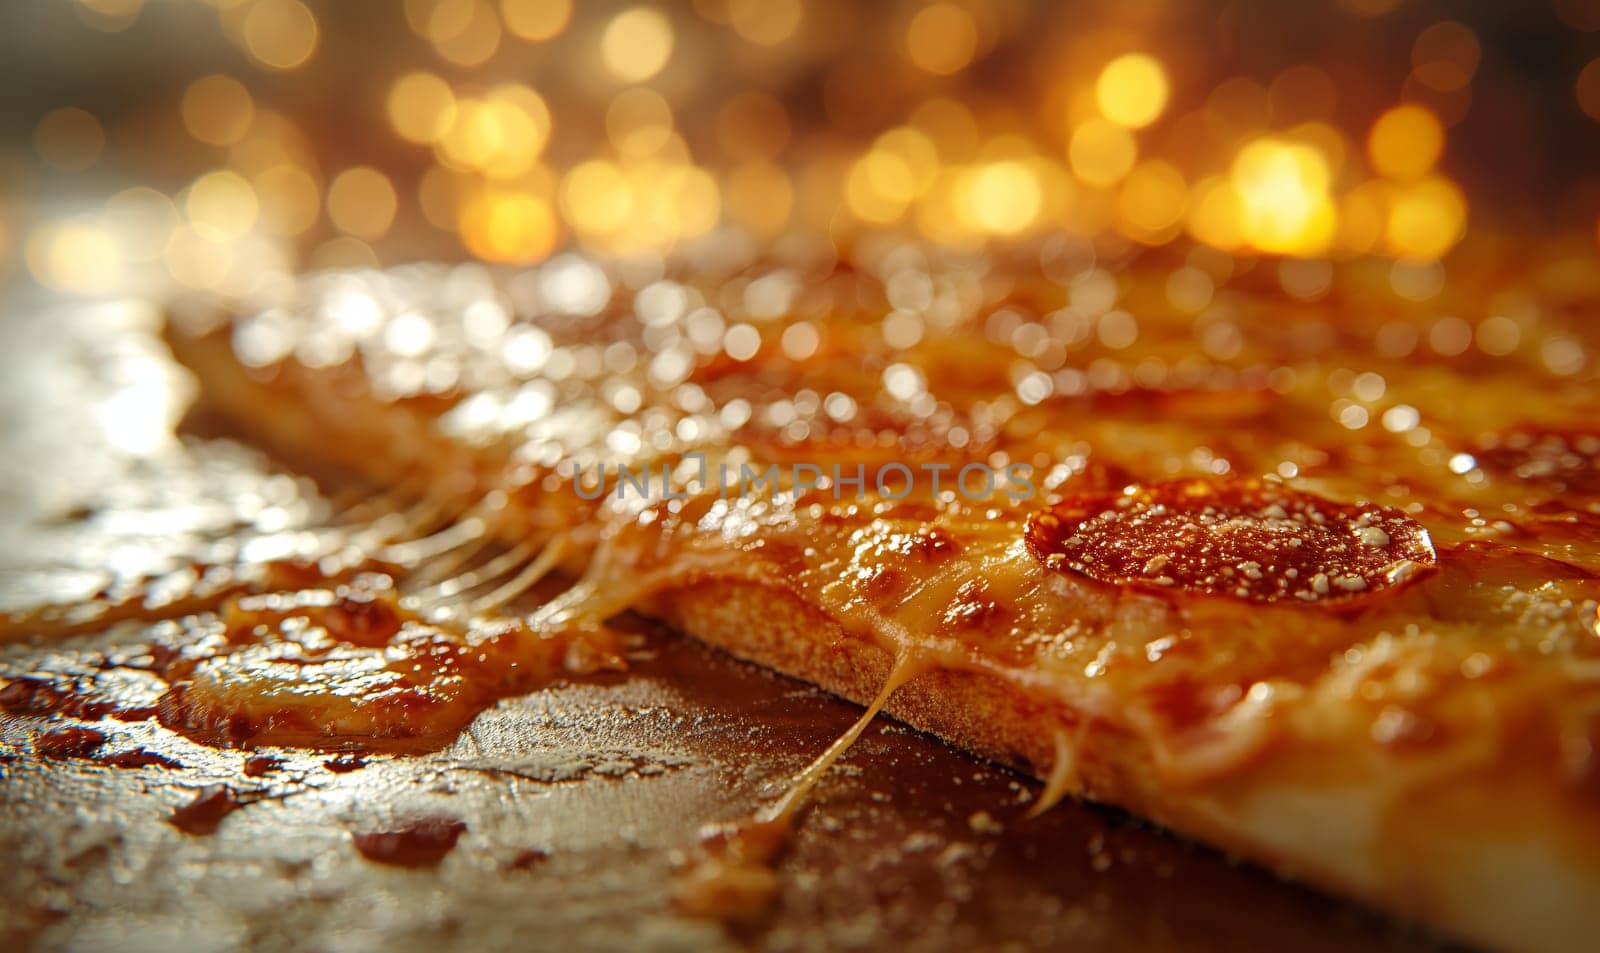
<point>1203,683</point>
<point>351,667</point>
<point>906,667</point>
<point>1063,779</point>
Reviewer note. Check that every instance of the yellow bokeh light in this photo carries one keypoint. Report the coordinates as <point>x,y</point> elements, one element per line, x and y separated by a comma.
<point>1151,203</point>
<point>1426,219</point>
<point>1132,90</point>
<point>70,139</point>
<point>75,255</point>
<point>465,32</point>
<point>508,226</point>
<point>290,199</point>
<point>280,34</point>
<point>1284,205</point>
<point>688,202</point>
<point>765,22</point>
<point>862,194</point>
<point>1328,141</point>
<point>217,110</point>
<point>1246,168</point>
<point>918,153</point>
<point>141,219</point>
<point>942,213</point>
<point>644,205</point>
<point>1059,192</point>
<point>273,138</point>
<point>525,125</point>
<point>1003,197</point>
<point>1405,142</point>
<point>639,122</point>
<point>440,21</point>
<point>418,13</point>
<point>197,261</point>
<point>942,39</point>
<point>637,44</point>
<point>474,138</point>
<point>1101,152</point>
<point>222,206</point>
<point>536,20</point>
<point>1214,214</point>
<point>362,202</point>
<point>596,197</point>
<point>421,107</point>
<point>501,134</point>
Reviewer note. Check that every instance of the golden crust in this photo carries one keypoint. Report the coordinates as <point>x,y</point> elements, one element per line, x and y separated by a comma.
<point>1297,814</point>
<point>773,628</point>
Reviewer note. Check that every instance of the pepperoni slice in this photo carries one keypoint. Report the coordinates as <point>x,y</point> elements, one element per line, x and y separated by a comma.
<point>1259,542</point>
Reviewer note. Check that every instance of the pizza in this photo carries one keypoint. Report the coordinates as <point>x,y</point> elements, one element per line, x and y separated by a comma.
<point>1310,581</point>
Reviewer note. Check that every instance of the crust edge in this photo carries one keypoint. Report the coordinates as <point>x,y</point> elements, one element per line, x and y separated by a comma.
<point>1508,892</point>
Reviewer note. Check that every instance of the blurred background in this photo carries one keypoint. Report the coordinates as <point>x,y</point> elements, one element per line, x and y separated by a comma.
<point>214,145</point>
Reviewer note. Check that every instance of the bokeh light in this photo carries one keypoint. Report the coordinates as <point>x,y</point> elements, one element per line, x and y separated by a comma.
<point>464,32</point>
<point>221,206</point>
<point>1152,202</point>
<point>1284,204</point>
<point>421,107</point>
<point>70,139</point>
<point>508,226</point>
<point>291,201</point>
<point>1405,142</point>
<point>1426,218</point>
<point>536,20</point>
<point>1003,197</point>
<point>1102,152</point>
<point>76,255</point>
<point>217,110</point>
<point>361,202</point>
<point>765,22</point>
<point>942,38</point>
<point>637,44</point>
<point>1132,90</point>
<point>280,34</point>
<point>510,130</point>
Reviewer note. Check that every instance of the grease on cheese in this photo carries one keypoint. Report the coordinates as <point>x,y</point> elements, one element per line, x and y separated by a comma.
<point>351,666</point>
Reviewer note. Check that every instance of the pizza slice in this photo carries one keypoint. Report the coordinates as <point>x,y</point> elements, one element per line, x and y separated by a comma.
<point>1312,583</point>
